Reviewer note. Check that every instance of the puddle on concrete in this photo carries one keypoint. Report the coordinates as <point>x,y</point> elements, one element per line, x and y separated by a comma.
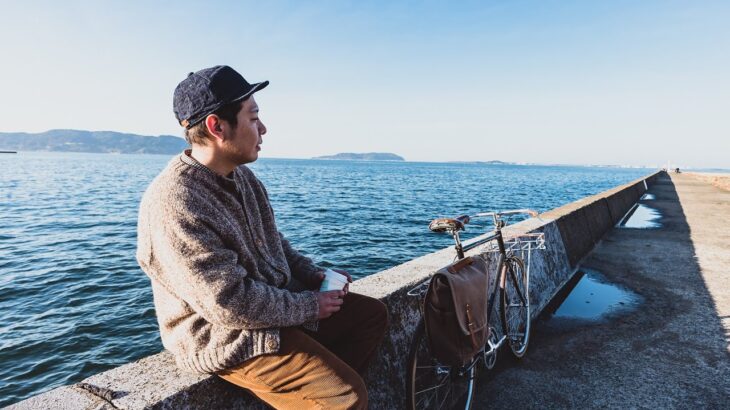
<point>648,197</point>
<point>592,298</point>
<point>588,297</point>
<point>643,217</point>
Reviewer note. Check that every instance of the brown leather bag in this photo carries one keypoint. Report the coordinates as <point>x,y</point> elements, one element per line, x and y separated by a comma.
<point>455,311</point>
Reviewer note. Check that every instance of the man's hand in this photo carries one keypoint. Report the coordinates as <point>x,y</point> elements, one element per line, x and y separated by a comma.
<point>349,279</point>
<point>320,278</point>
<point>329,302</point>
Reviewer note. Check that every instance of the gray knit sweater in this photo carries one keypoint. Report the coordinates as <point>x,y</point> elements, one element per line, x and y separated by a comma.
<point>221,272</point>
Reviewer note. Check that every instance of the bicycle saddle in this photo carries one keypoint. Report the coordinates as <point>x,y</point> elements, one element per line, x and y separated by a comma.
<point>449,224</point>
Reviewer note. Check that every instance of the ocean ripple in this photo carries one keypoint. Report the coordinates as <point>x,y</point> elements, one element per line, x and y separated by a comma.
<point>74,302</point>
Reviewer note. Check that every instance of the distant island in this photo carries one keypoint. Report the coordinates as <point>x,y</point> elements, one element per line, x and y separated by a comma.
<point>370,156</point>
<point>91,141</point>
<point>494,162</point>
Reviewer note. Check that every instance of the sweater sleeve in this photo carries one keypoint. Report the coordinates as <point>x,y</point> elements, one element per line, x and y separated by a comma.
<point>301,267</point>
<point>197,267</point>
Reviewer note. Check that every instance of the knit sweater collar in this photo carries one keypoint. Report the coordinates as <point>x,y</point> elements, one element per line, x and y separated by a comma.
<point>227,181</point>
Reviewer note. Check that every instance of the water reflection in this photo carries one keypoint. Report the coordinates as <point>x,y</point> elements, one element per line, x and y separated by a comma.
<point>588,297</point>
<point>593,298</point>
<point>643,217</point>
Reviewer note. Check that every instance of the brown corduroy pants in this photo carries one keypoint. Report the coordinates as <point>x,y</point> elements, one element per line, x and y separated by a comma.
<point>318,370</point>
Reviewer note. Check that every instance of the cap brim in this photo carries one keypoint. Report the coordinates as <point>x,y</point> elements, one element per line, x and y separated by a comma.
<point>254,88</point>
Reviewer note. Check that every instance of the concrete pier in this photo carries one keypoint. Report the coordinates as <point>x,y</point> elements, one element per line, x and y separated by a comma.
<point>673,350</point>
<point>717,179</point>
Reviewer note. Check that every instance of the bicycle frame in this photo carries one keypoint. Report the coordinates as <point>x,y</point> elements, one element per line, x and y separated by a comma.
<point>504,269</point>
<point>498,225</point>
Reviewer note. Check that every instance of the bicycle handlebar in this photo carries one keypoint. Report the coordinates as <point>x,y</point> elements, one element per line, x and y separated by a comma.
<point>530,212</point>
<point>458,223</point>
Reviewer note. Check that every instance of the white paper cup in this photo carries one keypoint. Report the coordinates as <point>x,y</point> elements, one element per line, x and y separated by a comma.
<point>333,281</point>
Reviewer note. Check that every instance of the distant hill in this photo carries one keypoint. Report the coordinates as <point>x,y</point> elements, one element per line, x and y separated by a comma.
<point>91,141</point>
<point>494,162</point>
<point>370,156</point>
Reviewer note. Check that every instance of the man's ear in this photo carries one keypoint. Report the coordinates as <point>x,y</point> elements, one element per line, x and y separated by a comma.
<point>215,126</point>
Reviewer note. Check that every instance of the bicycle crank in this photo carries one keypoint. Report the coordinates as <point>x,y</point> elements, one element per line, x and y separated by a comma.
<point>490,350</point>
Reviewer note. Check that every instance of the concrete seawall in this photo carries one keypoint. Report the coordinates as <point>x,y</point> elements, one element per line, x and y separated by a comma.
<point>665,345</point>
<point>571,232</point>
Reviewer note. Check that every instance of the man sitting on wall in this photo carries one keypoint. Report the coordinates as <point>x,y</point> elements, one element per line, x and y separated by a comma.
<point>232,296</point>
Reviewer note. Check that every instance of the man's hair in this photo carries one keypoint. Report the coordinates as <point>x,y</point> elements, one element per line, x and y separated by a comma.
<point>198,133</point>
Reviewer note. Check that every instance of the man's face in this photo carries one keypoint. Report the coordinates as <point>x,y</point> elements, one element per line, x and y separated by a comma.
<point>243,142</point>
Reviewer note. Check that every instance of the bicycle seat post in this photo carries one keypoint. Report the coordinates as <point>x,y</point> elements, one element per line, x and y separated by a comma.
<point>498,225</point>
<point>458,247</point>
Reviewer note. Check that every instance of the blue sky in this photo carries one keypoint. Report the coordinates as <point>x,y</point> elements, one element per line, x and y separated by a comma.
<point>575,82</point>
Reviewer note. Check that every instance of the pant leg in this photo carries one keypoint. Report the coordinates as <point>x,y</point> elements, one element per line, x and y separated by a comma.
<point>302,375</point>
<point>354,332</point>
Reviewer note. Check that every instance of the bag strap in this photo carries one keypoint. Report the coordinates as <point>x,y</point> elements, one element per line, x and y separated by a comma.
<point>460,265</point>
<point>470,325</point>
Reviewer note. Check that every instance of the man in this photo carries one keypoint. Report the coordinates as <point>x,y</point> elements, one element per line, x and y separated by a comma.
<point>232,296</point>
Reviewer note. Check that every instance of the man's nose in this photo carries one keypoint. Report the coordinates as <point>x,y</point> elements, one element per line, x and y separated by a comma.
<point>262,128</point>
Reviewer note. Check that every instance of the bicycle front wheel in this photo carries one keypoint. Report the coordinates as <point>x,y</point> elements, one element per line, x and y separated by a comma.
<point>432,385</point>
<point>516,305</point>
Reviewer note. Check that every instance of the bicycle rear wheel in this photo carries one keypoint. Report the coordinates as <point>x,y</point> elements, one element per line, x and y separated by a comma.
<point>432,385</point>
<point>516,305</point>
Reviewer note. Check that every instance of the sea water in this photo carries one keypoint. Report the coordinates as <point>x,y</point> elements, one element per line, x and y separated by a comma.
<point>74,302</point>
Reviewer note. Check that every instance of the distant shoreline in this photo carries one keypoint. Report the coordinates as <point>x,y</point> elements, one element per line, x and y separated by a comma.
<point>367,156</point>
<point>474,163</point>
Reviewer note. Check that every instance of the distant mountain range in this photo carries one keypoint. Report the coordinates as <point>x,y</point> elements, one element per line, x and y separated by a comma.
<point>370,156</point>
<point>91,141</point>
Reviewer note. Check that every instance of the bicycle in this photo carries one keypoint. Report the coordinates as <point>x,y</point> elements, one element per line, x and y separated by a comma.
<point>431,384</point>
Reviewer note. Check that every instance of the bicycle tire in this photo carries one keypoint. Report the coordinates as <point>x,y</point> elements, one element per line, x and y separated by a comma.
<point>515,310</point>
<point>431,385</point>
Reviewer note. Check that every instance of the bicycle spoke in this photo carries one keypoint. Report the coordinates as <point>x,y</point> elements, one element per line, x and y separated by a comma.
<point>445,397</point>
<point>427,376</point>
<point>430,398</point>
<point>434,387</point>
<point>517,287</point>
